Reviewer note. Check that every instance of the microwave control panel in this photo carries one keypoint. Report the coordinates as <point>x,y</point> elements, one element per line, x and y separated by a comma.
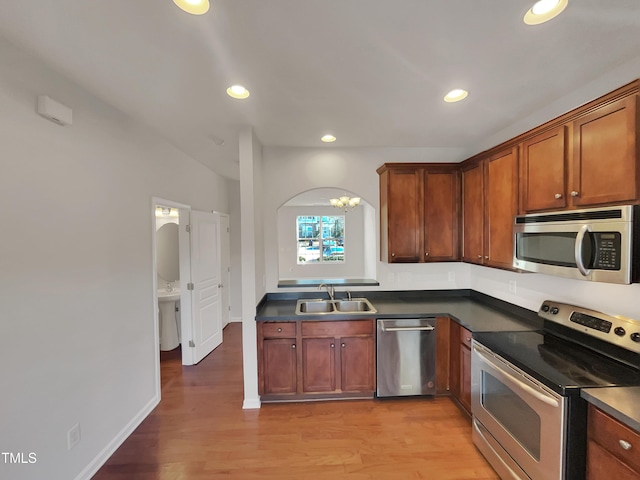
<point>608,248</point>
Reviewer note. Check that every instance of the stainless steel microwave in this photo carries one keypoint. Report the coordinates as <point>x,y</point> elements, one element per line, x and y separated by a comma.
<point>600,245</point>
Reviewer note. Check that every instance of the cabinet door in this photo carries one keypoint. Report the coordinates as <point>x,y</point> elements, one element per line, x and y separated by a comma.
<point>356,364</point>
<point>501,192</point>
<point>473,214</point>
<point>441,213</point>
<point>404,204</point>
<point>465,377</point>
<point>279,365</point>
<point>605,155</point>
<point>543,171</point>
<point>318,365</point>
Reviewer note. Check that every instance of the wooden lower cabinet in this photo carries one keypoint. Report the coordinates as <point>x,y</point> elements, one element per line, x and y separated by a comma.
<point>613,449</point>
<point>460,365</point>
<point>325,359</point>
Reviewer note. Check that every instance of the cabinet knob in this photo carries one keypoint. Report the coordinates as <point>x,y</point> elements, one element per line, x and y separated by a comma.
<point>343,345</point>
<point>624,444</point>
<point>333,345</point>
<point>393,254</point>
<point>293,346</point>
<point>575,194</point>
<point>426,254</point>
<point>479,256</point>
<point>486,257</point>
<point>279,330</point>
<point>558,195</point>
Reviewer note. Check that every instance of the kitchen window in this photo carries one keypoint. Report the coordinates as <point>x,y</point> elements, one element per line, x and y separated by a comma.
<point>320,239</point>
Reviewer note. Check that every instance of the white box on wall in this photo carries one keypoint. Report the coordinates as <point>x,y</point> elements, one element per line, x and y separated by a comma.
<point>54,111</point>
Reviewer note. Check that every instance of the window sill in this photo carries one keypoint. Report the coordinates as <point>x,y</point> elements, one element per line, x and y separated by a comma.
<point>337,282</point>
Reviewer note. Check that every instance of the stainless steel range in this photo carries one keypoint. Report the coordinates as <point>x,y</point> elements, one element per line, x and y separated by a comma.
<point>529,420</point>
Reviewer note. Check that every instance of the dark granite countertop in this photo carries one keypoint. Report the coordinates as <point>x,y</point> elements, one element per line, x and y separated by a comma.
<point>619,402</point>
<point>473,310</point>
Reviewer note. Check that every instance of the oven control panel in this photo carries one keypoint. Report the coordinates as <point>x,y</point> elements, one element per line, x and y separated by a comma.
<point>621,331</point>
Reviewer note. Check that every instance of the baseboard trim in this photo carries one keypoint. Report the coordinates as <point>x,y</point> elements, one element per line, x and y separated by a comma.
<point>235,319</point>
<point>104,455</point>
<point>251,403</point>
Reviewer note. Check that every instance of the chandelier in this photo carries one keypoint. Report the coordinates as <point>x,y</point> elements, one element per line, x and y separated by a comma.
<point>345,202</point>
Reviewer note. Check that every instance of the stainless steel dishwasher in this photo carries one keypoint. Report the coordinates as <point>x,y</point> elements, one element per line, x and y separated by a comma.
<point>406,357</point>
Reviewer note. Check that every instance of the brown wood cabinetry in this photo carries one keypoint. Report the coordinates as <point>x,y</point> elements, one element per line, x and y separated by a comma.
<point>443,345</point>
<point>278,363</point>
<point>316,359</point>
<point>490,201</point>
<point>590,161</point>
<point>605,155</point>
<point>460,365</point>
<point>473,213</point>
<point>612,448</point>
<point>419,212</point>
<point>543,171</point>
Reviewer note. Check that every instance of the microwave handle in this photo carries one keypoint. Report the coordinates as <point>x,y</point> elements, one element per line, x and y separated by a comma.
<point>578,250</point>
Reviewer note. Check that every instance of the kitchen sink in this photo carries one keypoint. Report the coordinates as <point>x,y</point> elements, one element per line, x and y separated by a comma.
<point>324,307</point>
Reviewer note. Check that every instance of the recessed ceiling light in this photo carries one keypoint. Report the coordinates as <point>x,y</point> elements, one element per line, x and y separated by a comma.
<point>237,91</point>
<point>544,10</point>
<point>194,7</point>
<point>328,138</point>
<point>456,95</point>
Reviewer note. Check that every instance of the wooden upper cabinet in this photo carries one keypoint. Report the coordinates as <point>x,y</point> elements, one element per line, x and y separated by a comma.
<point>401,190</point>
<point>419,213</point>
<point>473,213</point>
<point>543,171</point>
<point>605,154</point>
<point>501,204</point>
<point>441,214</point>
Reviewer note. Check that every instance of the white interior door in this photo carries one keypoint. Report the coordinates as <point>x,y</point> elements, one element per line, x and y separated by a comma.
<point>225,263</point>
<point>205,277</point>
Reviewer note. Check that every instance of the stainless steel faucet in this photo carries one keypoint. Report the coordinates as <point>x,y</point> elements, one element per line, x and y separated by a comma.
<point>330,290</point>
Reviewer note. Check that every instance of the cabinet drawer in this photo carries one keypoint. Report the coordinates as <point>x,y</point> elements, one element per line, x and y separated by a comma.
<point>279,329</point>
<point>611,435</point>
<point>337,329</point>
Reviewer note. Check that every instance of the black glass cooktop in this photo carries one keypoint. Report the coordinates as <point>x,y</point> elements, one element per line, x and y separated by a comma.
<point>563,366</point>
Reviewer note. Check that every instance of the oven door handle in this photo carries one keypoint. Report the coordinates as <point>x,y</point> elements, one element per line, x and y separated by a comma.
<point>519,383</point>
<point>578,250</point>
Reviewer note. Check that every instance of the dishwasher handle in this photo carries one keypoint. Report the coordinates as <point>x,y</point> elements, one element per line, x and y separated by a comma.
<point>408,328</point>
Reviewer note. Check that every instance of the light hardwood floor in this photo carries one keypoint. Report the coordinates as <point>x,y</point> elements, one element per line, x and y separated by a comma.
<point>199,431</point>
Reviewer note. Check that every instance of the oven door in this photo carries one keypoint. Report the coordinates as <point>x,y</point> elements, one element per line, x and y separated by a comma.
<point>519,419</point>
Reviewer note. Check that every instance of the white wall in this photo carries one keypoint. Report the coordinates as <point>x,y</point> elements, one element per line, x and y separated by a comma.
<point>354,240</point>
<point>235,250</point>
<point>77,331</point>
<point>290,171</point>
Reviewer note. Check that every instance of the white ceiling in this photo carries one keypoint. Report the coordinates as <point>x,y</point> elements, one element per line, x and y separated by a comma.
<point>373,72</point>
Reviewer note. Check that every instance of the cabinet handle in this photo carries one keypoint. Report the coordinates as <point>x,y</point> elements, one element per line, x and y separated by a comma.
<point>426,254</point>
<point>333,345</point>
<point>558,195</point>
<point>393,254</point>
<point>279,330</point>
<point>293,346</point>
<point>343,345</point>
<point>486,257</point>
<point>624,444</point>
<point>575,194</point>
<point>479,256</point>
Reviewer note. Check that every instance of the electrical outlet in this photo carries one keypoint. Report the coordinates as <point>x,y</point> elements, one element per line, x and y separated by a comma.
<point>512,286</point>
<point>452,277</point>
<point>73,436</point>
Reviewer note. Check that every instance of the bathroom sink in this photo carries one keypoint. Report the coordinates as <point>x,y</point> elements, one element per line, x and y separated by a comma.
<point>172,296</point>
<point>324,307</point>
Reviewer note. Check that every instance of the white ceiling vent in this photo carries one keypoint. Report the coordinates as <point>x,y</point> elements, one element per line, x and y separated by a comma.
<point>54,111</point>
